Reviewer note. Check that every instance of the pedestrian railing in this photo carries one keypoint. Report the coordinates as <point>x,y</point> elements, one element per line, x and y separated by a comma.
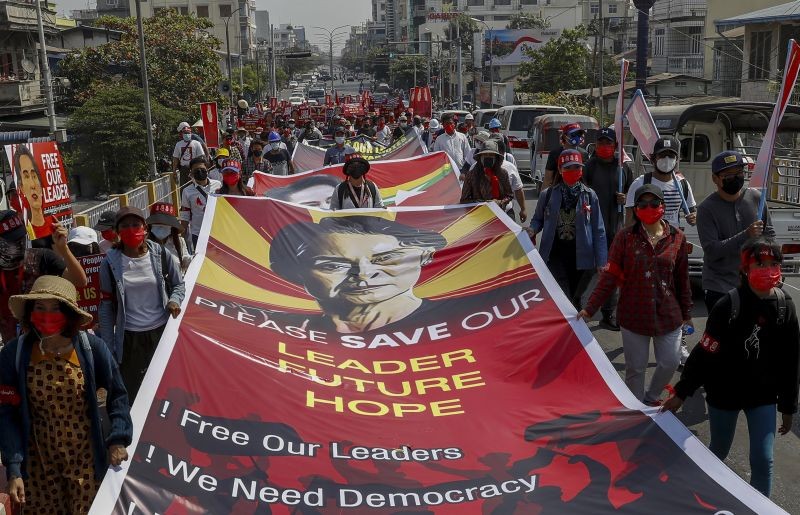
<point>91,216</point>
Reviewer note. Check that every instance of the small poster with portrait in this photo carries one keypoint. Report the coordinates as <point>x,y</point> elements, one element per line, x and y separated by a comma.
<point>42,184</point>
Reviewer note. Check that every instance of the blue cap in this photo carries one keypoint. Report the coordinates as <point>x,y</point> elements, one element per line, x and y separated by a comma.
<point>607,133</point>
<point>494,123</point>
<point>273,137</point>
<point>725,160</point>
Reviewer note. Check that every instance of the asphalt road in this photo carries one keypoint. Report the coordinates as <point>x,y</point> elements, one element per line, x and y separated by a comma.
<point>694,414</point>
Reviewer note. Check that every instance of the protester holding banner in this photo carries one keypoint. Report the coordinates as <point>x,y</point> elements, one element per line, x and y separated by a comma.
<point>356,191</point>
<point>649,261</point>
<point>401,129</point>
<point>454,143</point>
<point>725,220</point>
<point>51,437</point>
<point>255,161</point>
<point>382,132</point>
<point>602,174</point>
<point>222,155</point>
<point>573,242</point>
<point>194,198</point>
<point>163,227</point>
<point>488,181</point>
<point>335,154</point>
<point>430,133</point>
<point>279,159</point>
<point>234,148</point>
<point>21,266</point>
<point>367,129</point>
<point>573,136</point>
<point>312,191</point>
<point>747,360</point>
<point>232,180</point>
<point>310,133</point>
<point>141,285</point>
<point>105,226</point>
<point>677,190</point>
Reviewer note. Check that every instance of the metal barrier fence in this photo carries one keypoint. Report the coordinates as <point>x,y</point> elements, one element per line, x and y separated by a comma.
<point>139,197</point>
<point>92,215</point>
<point>163,189</point>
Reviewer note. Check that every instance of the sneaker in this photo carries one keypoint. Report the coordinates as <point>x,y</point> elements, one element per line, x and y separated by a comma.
<point>684,353</point>
<point>610,323</point>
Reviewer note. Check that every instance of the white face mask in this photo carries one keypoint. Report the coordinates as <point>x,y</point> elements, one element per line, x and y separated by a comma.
<point>666,164</point>
<point>161,231</point>
<point>339,140</point>
<point>403,125</point>
<point>275,146</point>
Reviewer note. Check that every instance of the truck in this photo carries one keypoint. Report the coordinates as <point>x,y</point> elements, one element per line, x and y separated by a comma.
<point>706,129</point>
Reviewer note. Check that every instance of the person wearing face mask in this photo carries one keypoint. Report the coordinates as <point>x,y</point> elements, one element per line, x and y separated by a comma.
<point>141,285</point>
<point>243,137</point>
<point>573,242</point>
<point>232,180</point>
<point>494,129</point>
<point>21,266</point>
<point>356,191</point>
<point>666,154</point>
<point>105,226</point>
<point>747,360</point>
<point>367,129</point>
<point>279,159</point>
<point>164,228</point>
<point>310,134</point>
<point>382,132</point>
<point>429,137</point>
<point>215,172</point>
<point>454,143</point>
<point>82,241</point>
<point>649,262</point>
<point>255,161</point>
<point>194,198</point>
<point>186,149</point>
<point>335,154</point>
<point>51,435</point>
<point>572,137</point>
<point>602,175</point>
<point>418,127</point>
<point>230,142</point>
<point>725,220</point>
<point>487,181</point>
<point>401,129</point>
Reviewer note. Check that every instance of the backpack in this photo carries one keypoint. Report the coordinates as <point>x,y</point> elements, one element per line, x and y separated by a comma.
<point>84,344</point>
<point>648,179</point>
<point>736,305</point>
<point>340,190</point>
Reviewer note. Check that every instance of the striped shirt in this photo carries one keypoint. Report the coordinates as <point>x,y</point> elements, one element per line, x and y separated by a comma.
<point>672,197</point>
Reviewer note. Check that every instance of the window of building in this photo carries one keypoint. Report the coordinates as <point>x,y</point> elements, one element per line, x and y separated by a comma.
<point>224,11</point>
<point>695,35</point>
<point>760,49</point>
<point>202,11</point>
<point>612,8</point>
<point>658,42</point>
<point>184,10</point>
<point>502,2</point>
<point>502,17</point>
<point>594,8</point>
<point>475,3</point>
<point>529,2</point>
<point>680,83</point>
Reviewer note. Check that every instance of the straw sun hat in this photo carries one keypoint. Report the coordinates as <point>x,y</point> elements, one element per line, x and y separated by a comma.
<point>49,287</point>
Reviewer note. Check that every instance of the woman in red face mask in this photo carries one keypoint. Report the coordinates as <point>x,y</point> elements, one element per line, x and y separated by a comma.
<point>573,240</point>
<point>51,437</point>
<point>141,285</point>
<point>232,181</point>
<point>747,360</point>
<point>649,261</point>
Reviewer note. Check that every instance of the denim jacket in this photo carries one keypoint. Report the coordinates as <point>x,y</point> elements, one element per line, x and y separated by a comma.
<point>590,232</point>
<point>112,310</point>
<point>99,371</point>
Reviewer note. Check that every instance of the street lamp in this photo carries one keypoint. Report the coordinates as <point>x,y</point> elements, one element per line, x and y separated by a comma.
<point>230,65</point>
<point>331,33</point>
<point>491,61</point>
<point>148,121</point>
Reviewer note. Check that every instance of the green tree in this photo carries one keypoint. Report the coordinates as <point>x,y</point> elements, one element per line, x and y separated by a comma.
<point>110,143</point>
<point>560,64</point>
<point>402,70</point>
<point>528,21</point>
<point>183,67</point>
<point>466,28</point>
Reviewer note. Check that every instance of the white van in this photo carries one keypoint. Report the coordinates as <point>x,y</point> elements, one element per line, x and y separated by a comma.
<point>516,123</point>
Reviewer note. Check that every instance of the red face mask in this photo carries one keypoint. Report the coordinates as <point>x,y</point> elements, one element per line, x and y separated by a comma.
<point>132,236</point>
<point>764,279</point>
<point>449,128</point>
<point>109,234</point>
<point>650,215</point>
<point>571,176</point>
<point>604,151</point>
<point>230,178</point>
<point>48,323</point>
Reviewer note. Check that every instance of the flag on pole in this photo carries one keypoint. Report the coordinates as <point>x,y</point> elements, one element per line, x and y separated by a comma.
<point>618,128</point>
<point>641,124</point>
<point>760,177</point>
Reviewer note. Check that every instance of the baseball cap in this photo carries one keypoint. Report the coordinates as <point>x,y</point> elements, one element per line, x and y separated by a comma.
<point>106,221</point>
<point>667,144</point>
<point>339,129</point>
<point>12,228</point>
<point>82,235</point>
<point>571,127</point>
<point>182,125</point>
<point>648,188</point>
<point>607,133</point>
<point>223,152</point>
<point>469,117</point>
<point>402,118</point>
<point>570,158</point>
<point>129,211</point>
<point>232,166</point>
<point>725,160</point>
<point>163,213</point>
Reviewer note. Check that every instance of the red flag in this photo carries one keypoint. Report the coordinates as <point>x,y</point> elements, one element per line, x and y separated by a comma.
<point>336,100</point>
<point>208,112</point>
<point>273,103</point>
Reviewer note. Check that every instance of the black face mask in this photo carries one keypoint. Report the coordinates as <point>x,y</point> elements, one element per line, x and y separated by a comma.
<point>355,171</point>
<point>732,185</point>
<point>488,162</point>
<point>200,175</point>
<point>258,153</point>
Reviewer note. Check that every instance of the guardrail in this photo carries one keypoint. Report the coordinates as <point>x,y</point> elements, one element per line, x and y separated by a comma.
<point>144,195</point>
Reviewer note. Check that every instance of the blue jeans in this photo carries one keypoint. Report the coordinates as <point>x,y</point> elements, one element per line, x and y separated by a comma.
<point>761,426</point>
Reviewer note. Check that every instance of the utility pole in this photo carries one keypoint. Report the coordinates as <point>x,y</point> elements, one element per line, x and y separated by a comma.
<point>330,66</point>
<point>642,28</point>
<point>258,75</point>
<point>602,62</point>
<point>272,59</point>
<point>458,67</point>
<point>148,121</point>
<point>48,81</point>
<point>230,64</point>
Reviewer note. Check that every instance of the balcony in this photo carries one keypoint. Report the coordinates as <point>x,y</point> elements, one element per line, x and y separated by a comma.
<point>21,16</point>
<point>21,96</point>
<point>679,9</point>
<point>688,65</point>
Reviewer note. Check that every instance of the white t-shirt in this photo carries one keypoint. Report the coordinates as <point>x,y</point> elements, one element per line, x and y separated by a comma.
<point>185,152</point>
<point>144,308</point>
<point>456,146</point>
<point>513,175</point>
<point>193,204</point>
<point>672,197</point>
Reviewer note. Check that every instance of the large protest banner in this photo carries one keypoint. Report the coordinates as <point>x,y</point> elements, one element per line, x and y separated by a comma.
<point>41,180</point>
<point>308,157</point>
<point>428,180</point>
<point>394,361</point>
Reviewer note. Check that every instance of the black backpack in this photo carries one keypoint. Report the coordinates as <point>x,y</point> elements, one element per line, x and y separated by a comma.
<point>736,305</point>
<point>341,191</point>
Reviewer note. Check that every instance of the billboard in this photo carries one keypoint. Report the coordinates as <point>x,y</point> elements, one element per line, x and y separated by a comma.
<point>507,45</point>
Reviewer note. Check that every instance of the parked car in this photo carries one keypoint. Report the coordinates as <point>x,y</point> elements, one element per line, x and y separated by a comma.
<point>296,100</point>
<point>545,136</point>
<point>482,117</point>
<point>292,83</point>
<point>515,122</point>
<point>383,88</point>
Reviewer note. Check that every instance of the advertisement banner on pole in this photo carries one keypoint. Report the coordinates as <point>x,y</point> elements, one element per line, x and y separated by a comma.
<point>208,112</point>
<point>41,180</point>
<point>451,378</point>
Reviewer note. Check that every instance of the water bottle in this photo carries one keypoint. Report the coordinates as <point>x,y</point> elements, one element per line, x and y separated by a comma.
<point>687,330</point>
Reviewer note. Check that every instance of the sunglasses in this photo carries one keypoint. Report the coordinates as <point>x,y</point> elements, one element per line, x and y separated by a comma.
<point>199,170</point>
<point>648,203</point>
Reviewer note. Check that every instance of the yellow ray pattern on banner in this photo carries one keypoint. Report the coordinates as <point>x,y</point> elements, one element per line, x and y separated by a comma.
<point>392,191</point>
<point>476,219</point>
<point>217,278</point>
<point>229,228</point>
<point>478,268</point>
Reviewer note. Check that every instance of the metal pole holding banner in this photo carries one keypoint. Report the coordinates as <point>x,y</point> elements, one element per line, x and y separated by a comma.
<point>148,121</point>
<point>619,128</point>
